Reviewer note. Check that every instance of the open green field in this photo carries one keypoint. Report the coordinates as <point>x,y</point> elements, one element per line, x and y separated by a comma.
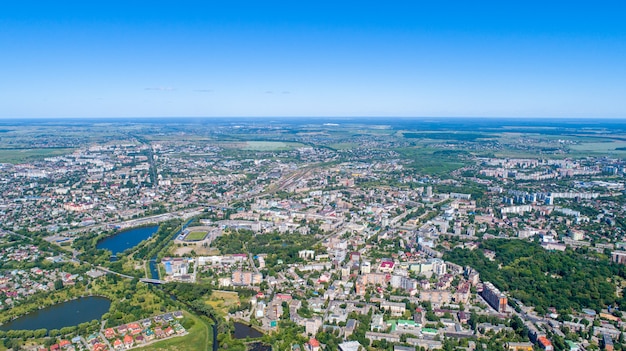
<point>528,154</point>
<point>601,147</point>
<point>199,338</point>
<point>270,146</point>
<point>259,145</point>
<point>221,301</point>
<point>447,136</point>
<point>432,161</point>
<point>25,155</point>
<point>197,235</point>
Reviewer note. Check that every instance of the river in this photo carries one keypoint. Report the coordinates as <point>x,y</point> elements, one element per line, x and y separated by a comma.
<point>154,270</point>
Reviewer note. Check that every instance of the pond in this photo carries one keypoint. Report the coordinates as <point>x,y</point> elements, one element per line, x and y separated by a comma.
<point>65,314</point>
<point>126,239</point>
<point>243,331</point>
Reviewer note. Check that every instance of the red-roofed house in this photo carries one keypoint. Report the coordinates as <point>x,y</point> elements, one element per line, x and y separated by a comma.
<point>386,266</point>
<point>118,344</point>
<point>64,343</point>
<point>285,297</point>
<point>128,341</point>
<point>134,328</point>
<point>109,333</point>
<point>313,345</point>
<point>544,343</point>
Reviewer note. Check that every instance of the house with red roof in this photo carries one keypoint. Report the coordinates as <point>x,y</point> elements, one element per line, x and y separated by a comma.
<point>544,343</point>
<point>128,341</point>
<point>118,344</point>
<point>284,297</point>
<point>386,266</point>
<point>134,328</point>
<point>64,344</point>
<point>313,345</point>
<point>109,333</point>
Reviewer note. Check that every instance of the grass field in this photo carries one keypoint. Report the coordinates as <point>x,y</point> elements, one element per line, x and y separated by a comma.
<point>600,147</point>
<point>194,236</point>
<point>257,146</point>
<point>199,338</point>
<point>25,155</point>
<point>200,250</point>
<point>221,301</point>
<point>269,146</point>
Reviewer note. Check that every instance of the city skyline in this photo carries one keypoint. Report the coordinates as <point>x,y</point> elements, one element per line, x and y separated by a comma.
<point>324,59</point>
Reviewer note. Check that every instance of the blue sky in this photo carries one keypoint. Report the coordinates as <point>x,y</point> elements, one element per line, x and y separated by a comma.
<point>321,58</point>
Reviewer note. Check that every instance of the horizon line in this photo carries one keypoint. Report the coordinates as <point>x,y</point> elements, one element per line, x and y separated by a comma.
<point>314,116</point>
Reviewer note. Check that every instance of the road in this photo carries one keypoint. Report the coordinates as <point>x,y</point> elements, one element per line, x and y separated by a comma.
<point>251,260</point>
<point>143,280</point>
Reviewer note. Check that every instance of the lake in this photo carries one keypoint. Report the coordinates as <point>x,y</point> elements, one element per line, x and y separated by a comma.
<point>243,331</point>
<point>126,239</point>
<point>65,314</point>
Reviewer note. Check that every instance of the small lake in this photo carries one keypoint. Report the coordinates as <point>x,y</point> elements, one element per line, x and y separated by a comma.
<point>65,314</point>
<point>126,239</point>
<point>243,331</point>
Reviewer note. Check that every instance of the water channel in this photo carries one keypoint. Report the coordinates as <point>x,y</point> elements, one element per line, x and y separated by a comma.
<point>154,270</point>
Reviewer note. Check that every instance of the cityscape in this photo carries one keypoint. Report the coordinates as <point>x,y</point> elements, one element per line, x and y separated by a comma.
<point>283,234</point>
<point>312,176</point>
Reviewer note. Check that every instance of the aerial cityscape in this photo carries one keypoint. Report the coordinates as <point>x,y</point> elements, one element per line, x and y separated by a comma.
<point>334,234</point>
<point>312,176</point>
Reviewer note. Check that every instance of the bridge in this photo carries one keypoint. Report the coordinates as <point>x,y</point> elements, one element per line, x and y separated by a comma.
<point>143,280</point>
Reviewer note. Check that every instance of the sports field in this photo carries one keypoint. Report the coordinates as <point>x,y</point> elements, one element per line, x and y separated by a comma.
<point>196,235</point>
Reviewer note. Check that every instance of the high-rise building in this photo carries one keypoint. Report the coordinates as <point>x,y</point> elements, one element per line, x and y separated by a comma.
<point>618,257</point>
<point>494,297</point>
